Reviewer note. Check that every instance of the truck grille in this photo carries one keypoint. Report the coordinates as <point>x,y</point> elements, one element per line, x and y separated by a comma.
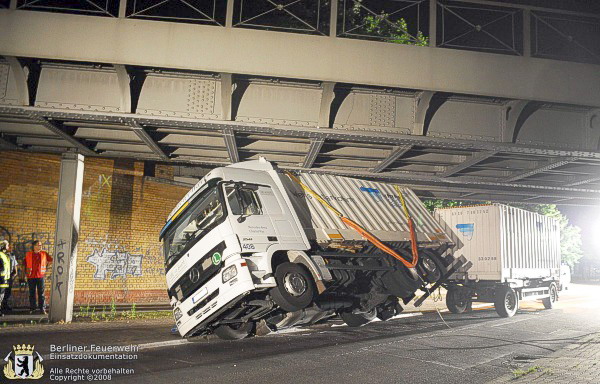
<point>197,275</point>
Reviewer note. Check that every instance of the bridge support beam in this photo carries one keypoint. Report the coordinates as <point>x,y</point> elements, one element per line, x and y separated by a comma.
<point>477,158</point>
<point>542,168</point>
<point>422,103</point>
<point>66,237</point>
<point>226,95</point>
<point>147,139</point>
<point>313,151</point>
<point>396,153</point>
<point>20,77</point>
<point>230,143</point>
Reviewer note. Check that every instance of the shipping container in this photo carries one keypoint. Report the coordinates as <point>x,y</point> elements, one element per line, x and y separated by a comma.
<point>504,242</point>
<point>375,206</point>
<point>511,252</point>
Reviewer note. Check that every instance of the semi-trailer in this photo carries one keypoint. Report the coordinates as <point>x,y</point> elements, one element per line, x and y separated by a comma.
<point>251,243</point>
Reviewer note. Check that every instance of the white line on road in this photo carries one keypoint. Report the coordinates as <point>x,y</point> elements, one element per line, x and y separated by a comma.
<point>160,344</point>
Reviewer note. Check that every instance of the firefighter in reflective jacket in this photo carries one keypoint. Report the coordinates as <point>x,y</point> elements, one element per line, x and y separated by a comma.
<point>36,262</point>
<point>4,269</point>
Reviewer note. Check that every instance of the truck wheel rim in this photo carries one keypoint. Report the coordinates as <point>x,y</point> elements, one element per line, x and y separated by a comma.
<point>553,294</point>
<point>294,284</point>
<point>509,302</point>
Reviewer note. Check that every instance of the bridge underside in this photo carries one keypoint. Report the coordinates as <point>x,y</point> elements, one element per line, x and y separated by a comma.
<point>443,142</point>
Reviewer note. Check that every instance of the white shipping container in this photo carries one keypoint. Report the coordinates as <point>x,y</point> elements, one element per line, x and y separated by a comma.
<point>503,243</point>
<point>374,205</point>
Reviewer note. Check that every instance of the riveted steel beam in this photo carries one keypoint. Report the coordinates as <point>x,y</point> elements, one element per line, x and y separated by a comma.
<point>313,151</point>
<point>396,153</point>
<point>55,128</point>
<point>7,143</point>
<point>582,180</point>
<point>139,130</point>
<point>546,167</point>
<point>474,159</point>
<point>230,143</point>
<point>468,185</point>
<point>306,132</point>
<point>292,55</point>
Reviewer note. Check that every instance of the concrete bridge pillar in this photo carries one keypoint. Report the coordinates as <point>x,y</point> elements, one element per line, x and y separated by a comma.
<point>66,237</point>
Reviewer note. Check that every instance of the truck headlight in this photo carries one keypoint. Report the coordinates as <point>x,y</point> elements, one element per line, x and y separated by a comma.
<point>177,313</point>
<point>229,273</point>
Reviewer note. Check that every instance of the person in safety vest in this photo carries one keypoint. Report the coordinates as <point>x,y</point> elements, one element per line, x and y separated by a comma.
<point>4,269</point>
<point>5,307</point>
<point>36,263</point>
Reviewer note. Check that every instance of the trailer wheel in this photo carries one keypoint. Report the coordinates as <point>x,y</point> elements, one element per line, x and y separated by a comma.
<point>457,301</point>
<point>551,299</point>
<point>295,288</point>
<point>507,302</point>
<point>430,268</point>
<point>358,319</point>
<point>234,331</point>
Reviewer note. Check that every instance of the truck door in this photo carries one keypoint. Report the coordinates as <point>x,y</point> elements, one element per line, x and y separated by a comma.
<point>249,217</point>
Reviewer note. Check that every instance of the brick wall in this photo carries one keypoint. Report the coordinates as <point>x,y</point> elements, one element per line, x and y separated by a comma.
<point>119,256</point>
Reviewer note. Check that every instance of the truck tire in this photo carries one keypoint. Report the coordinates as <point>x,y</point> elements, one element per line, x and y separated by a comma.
<point>551,299</point>
<point>431,268</point>
<point>295,288</point>
<point>457,302</point>
<point>389,309</point>
<point>358,319</point>
<point>401,282</point>
<point>506,302</point>
<point>234,331</point>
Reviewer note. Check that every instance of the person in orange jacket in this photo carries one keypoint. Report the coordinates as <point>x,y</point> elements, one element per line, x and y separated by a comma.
<point>36,263</point>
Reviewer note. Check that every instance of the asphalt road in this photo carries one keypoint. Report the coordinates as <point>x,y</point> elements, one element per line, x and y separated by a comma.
<point>471,348</point>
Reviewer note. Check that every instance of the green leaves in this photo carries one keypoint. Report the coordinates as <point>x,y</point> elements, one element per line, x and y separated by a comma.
<point>382,25</point>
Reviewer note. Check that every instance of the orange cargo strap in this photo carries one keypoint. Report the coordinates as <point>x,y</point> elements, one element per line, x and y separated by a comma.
<point>363,232</point>
<point>411,227</point>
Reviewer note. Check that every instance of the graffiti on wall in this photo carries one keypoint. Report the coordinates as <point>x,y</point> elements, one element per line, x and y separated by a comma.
<point>113,260</point>
<point>114,263</point>
<point>22,241</point>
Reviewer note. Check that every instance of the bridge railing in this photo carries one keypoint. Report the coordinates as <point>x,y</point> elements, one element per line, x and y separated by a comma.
<point>480,25</point>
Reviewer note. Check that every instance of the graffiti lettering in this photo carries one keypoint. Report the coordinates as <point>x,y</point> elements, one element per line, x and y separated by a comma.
<point>60,260</point>
<point>114,263</point>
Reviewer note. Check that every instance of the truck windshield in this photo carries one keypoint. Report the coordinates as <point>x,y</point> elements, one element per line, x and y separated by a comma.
<point>204,213</point>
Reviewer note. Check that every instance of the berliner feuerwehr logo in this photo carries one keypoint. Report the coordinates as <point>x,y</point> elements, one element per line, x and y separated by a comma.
<point>23,363</point>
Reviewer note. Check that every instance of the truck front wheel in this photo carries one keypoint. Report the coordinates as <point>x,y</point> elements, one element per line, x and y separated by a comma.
<point>295,288</point>
<point>234,331</point>
<point>551,299</point>
<point>506,302</point>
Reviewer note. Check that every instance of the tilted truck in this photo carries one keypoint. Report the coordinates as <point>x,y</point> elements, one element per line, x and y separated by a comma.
<point>515,255</point>
<point>252,243</point>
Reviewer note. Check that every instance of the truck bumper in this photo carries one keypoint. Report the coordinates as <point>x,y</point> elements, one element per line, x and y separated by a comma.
<point>213,296</point>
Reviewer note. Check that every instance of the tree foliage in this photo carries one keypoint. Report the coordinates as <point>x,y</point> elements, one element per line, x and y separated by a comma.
<point>570,235</point>
<point>381,25</point>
